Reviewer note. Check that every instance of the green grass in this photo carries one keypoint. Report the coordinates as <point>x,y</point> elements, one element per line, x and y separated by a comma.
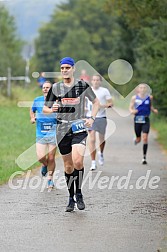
<point>160,125</point>
<point>16,132</point>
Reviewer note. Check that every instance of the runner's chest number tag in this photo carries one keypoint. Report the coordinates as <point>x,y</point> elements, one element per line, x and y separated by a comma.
<point>46,126</point>
<point>78,126</point>
<point>140,119</point>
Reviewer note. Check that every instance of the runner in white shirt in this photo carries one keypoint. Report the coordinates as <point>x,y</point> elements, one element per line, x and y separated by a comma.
<point>100,122</point>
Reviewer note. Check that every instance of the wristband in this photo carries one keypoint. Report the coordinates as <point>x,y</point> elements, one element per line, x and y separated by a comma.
<point>92,117</point>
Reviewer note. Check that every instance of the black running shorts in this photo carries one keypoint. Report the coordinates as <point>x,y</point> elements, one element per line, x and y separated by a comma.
<point>142,127</point>
<point>65,143</point>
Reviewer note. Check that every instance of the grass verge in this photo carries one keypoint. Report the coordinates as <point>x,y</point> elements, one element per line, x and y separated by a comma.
<point>16,132</point>
<point>160,125</point>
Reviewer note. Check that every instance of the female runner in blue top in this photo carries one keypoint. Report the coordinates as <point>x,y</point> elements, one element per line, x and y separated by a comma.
<point>141,107</point>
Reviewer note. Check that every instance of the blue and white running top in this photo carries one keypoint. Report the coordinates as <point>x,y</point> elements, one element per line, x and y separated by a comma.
<point>45,124</point>
<point>143,106</point>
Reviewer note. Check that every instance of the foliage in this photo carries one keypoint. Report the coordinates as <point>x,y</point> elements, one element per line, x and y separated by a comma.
<point>10,45</point>
<point>103,31</point>
<point>147,20</point>
<point>80,30</point>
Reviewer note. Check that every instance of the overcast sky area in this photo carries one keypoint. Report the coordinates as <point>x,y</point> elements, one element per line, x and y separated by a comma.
<point>30,15</point>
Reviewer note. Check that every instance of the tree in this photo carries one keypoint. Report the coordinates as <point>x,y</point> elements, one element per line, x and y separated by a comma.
<point>147,20</point>
<point>78,29</point>
<point>10,45</point>
<point>105,30</point>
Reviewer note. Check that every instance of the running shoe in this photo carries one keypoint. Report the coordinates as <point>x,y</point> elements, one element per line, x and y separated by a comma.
<point>134,141</point>
<point>93,167</point>
<point>144,161</point>
<point>50,184</point>
<point>80,202</point>
<point>101,158</point>
<point>71,205</point>
<point>44,170</point>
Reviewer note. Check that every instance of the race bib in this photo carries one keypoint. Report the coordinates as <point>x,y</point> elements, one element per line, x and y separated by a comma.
<point>78,126</point>
<point>70,101</point>
<point>140,119</point>
<point>46,126</point>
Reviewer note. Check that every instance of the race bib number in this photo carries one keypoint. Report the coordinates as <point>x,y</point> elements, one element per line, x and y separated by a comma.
<point>78,126</point>
<point>46,126</point>
<point>140,119</point>
<point>70,101</point>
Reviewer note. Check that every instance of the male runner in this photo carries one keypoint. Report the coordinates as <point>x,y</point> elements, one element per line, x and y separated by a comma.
<point>45,135</point>
<point>67,98</point>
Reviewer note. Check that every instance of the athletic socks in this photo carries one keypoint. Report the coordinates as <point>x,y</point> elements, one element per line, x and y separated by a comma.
<point>145,146</point>
<point>70,183</point>
<point>78,176</point>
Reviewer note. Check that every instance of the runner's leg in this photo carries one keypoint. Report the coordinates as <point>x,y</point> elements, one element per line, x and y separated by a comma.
<point>51,159</point>
<point>102,142</point>
<point>78,151</point>
<point>41,153</point>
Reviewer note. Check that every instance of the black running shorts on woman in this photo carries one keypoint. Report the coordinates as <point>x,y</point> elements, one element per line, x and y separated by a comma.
<point>142,127</point>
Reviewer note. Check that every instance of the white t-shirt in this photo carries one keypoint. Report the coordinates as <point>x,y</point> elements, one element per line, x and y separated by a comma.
<point>103,95</point>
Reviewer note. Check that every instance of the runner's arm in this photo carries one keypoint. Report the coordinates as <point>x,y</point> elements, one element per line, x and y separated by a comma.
<point>152,108</point>
<point>47,110</point>
<point>108,98</point>
<point>32,116</point>
<point>49,105</point>
<point>132,106</point>
<point>95,108</point>
<point>108,104</point>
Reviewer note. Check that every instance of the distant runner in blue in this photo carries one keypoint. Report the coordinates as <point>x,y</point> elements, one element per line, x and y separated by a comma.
<point>141,106</point>
<point>45,134</point>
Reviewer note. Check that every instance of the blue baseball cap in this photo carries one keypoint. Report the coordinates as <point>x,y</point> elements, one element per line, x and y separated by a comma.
<point>67,60</point>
